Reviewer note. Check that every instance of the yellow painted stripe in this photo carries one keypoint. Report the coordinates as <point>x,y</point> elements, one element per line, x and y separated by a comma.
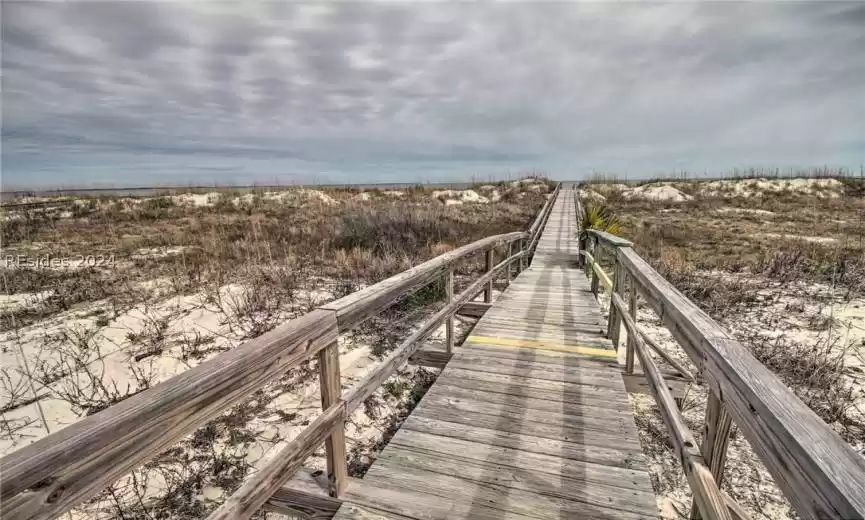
<point>543,345</point>
<point>603,276</point>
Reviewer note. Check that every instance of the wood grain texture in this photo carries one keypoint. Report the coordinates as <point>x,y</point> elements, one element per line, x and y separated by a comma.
<point>488,288</point>
<point>610,239</point>
<point>449,322</point>
<point>633,332</point>
<point>80,460</point>
<point>299,504</point>
<point>331,394</point>
<point>716,436</point>
<point>636,383</point>
<point>821,475</point>
<point>474,309</point>
<point>615,321</point>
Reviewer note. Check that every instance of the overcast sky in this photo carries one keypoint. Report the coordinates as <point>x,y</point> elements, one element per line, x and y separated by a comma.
<point>143,93</point>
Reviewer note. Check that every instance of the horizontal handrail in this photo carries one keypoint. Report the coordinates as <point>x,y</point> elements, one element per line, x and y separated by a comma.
<point>281,468</point>
<point>51,475</point>
<point>46,478</point>
<point>706,491</point>
<point>58,471</point>
<point>821,475</point>
<point>609,239</point>
<point>354,309</point>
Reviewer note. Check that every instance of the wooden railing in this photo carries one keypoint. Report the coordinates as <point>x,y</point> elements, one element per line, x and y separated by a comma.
<point>50,476</point>
<point>820,474</point>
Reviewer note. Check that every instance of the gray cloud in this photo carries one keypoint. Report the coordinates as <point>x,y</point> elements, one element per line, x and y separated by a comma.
<point>144,92</point>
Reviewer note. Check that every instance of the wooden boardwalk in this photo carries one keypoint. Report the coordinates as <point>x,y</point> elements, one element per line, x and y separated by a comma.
<point>530,417</point>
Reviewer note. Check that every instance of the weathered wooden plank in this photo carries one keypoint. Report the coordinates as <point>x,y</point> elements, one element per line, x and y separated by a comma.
<point>557,410</point>
<point>492,326</point>
<point>621,456</point>
<point>636,384</point>
<point>529,359</point>
<point>449,322</point>
<point>510,500</point>
<point>474,309</point>
<point>305,496</point>
<point>586,425</point>
<point>610,239</point>
<point>716,435</point>
<point>559,396</point>
<point>488,289</point>
<point>562,338</point>
<point>567,487</point>
<point>611,438</point>
<point>430,358</point>
<point>538,355</point>
<point>369,500</point>
<point>468,452</point>
<point>299,504</point>
<point>612,381</point>
<point>505,381</point>
<point>331,394</point>
<point>80,460</point>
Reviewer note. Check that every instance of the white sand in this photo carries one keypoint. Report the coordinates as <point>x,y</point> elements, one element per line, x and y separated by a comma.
<point>452,197</point>
<point>748,188</point>
<point>804,238</point>
<point>656,193</point>
<point>590,195</point>
<point>746,211</point>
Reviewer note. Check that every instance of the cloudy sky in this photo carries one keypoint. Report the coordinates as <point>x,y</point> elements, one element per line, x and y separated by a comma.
<point>142,93</point>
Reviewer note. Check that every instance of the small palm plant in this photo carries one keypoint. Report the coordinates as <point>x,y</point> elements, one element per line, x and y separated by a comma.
<point>599,217</point>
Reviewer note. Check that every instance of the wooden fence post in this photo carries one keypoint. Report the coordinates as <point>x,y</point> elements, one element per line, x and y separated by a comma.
<point>597,253</point>
<point>614,323</point>
<point>632,308</point>
<point>581,246</point>
<point>449,324</point>
<point>716,437</point>
<point>509,266</point>
<point>331,393</point>
<point>488,290</point>
<point>522,265</point>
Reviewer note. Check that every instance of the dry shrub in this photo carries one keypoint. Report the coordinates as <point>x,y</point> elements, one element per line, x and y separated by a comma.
<point>819,374</point>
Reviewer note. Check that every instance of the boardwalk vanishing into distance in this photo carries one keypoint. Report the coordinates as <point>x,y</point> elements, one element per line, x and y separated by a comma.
<point>528,419</point>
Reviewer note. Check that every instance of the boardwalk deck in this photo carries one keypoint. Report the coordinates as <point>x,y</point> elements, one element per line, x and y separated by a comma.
<point>530,417</point>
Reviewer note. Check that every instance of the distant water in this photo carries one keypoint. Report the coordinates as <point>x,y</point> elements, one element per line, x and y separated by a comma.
<point>155,190</point>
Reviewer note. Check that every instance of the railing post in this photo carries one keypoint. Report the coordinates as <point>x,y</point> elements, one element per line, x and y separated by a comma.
<point>488,290</point>
<point>522,265</point>
<point>632,309</point>
<point>509,266</point>
<point>449,324</point>
<point>597,252</point>
<point>331,393</point>
<point>716,436</point>
<point>581,260</point>
<point>614,323</point>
